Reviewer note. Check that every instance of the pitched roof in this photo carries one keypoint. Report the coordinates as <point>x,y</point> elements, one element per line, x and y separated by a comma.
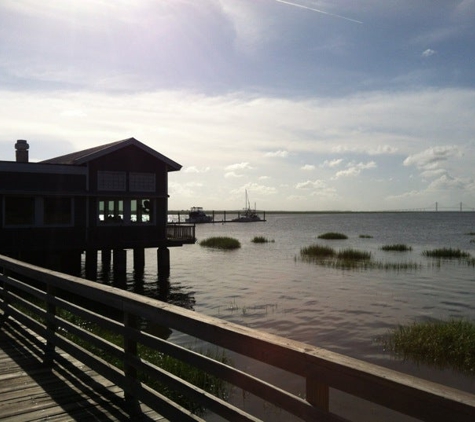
<point>86,155</point>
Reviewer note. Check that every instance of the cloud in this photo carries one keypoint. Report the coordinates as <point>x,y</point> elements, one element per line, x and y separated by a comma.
<point>309,184</point>
<point>315,188</point>
<point>430,174</point>
<point>194,169</point>
<point>355,169</point>
<point>279,154</point>
<point>307,167</point>
<point>432,157</point>
<point>239,166</point>
<point>382,149</point>
<point>254,190</point>
<point>211,131</point>
<point>429,52</point>
<point>231,174</point>
<point>450,183</point>
<point>332,163</point>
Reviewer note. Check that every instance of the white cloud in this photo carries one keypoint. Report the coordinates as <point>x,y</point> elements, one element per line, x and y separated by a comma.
<point>430,174</point>
<point>332,163</point>
<point>308,167</point>
<point>354,169</point>
<point>447,182</point>
<point>194,169</point>
<point>382,149</point>
<point>432,157</point>
<point>311,184</point>
<point>205,133</point>
<point>239,166</point>
<point>231,174</point>
<point>429,52</point>
<point>280,154</point>
<point>254,190</point>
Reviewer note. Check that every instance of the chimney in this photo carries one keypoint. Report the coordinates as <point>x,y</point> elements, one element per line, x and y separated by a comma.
<point>21,147</point>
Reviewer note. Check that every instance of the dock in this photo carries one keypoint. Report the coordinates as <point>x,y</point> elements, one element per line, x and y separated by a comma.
<point>54,366</point>
<point>217,216</point>
<point>67,390</point>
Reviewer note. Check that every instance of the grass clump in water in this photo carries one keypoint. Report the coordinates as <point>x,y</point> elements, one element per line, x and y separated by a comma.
<point>317,252</point>
<point>365,236</point>
<point>448,253</point>
<point>333,236</point>
<point>353,255</point>
<point>221,242</point>
<point>261,239</point>
<point>441,343</point>
<point>398,247</point>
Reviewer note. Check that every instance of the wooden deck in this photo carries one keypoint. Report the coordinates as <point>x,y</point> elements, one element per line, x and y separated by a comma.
<point>39,381</point>
<point>31,390</point>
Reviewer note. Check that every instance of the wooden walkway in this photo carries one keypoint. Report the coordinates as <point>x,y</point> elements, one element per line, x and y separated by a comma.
<point>32,391</point>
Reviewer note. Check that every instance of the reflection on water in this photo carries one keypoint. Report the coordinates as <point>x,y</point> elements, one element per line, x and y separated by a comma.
<point>263,286</point>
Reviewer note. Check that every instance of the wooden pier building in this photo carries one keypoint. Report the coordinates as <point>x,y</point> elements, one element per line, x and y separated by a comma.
<point>108,198</point>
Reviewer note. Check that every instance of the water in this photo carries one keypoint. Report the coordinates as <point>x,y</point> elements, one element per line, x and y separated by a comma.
<point>264,286</point>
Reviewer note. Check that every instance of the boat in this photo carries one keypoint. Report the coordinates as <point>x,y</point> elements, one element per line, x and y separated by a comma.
<point>248,215</point>
<point>198,216</point>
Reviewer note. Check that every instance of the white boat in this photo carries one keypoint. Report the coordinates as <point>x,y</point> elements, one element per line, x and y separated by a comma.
<point>198,216</point>
<point>248,215</point>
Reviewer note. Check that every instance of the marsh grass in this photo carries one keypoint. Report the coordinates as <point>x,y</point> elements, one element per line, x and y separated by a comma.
<point>353,255</point>
<point>351,259</point>
<point>333,236</point>
<point>262,239</point>
<point>440,343</point>
<point>397,247</point>
<point>221,242</point>
<point>365,236</point>
<point>448,253</point>
<point>317,251</point>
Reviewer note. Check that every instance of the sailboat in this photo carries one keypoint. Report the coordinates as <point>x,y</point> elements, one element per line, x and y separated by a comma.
<point>248,215</point>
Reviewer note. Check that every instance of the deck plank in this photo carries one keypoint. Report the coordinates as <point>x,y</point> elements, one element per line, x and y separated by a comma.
<point>31,391</point>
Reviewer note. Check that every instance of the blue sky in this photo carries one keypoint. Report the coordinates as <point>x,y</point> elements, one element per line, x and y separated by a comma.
<point>309,105</point>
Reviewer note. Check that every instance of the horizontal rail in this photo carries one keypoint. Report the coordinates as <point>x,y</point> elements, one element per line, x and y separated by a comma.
<point>181,232</point>
<point>104,327</point>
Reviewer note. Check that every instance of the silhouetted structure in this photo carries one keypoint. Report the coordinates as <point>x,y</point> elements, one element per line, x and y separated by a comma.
<point>110,198</point>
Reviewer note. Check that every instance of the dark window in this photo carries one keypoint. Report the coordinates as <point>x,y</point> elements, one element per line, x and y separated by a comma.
<point>19,211</point>
<point>57,211</point>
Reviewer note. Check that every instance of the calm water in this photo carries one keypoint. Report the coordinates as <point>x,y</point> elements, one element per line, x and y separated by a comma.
<point>263,286</point>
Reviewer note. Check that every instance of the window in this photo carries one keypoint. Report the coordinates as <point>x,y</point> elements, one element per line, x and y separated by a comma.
<point>142,182</point>
<point>57,211</point>
<point>140,211</point>
<point>111,180</point>
<point>19,211</point>
<point>111,211</point>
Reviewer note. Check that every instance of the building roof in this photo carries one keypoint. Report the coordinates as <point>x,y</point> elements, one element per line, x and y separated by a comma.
<point>86,155</point>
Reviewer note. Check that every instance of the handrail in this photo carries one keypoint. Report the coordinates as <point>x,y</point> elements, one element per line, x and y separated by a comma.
<point>38,298</point>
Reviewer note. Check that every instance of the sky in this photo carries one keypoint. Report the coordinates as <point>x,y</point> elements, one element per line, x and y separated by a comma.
<point>308,105</point>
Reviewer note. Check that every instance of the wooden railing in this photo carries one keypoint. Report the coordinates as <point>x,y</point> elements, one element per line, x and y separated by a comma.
<point>181,232</point>
<point>39,299</point>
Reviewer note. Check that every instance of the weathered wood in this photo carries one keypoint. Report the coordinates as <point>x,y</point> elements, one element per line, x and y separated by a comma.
<point>68,391</point>
<point>317,393</point>
<point>320,368</point>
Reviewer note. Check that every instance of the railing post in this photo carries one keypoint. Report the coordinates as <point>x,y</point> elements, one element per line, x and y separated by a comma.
<point>318,394</point>
<point>130,349</point>
<point>51,325</point>
<point>5,305</point>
